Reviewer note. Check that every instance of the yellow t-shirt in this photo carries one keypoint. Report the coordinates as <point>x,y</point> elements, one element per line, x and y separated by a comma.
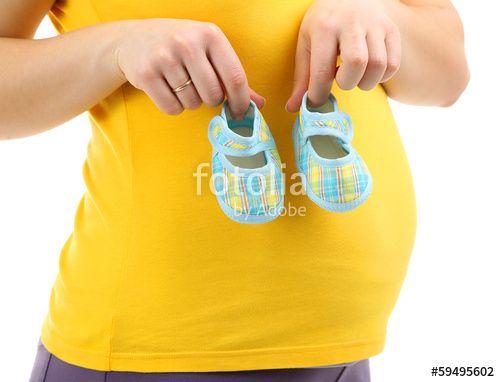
<point>155,277</point>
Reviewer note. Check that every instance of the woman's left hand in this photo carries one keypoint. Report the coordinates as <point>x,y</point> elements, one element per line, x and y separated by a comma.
<point>364,36</point>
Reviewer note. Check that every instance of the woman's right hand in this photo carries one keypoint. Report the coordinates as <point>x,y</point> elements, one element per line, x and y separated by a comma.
<point>158,55</point>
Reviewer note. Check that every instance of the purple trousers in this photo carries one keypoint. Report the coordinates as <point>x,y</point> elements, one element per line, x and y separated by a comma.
<point>49,368</point>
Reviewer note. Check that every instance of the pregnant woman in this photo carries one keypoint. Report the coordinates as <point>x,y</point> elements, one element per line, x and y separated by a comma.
<point>155,283</point>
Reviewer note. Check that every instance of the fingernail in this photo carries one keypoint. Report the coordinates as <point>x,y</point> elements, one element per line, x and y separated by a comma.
<point>287,109</point>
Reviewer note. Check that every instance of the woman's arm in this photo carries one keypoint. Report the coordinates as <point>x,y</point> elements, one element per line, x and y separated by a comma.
<point>433,68</point>
<point>43,83</point>
<point>414,47</point>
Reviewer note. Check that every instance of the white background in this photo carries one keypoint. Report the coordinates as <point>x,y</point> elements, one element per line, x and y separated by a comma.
<point>447,313</point>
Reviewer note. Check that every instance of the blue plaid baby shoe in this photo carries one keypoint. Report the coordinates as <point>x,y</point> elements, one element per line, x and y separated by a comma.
<point>246,167</point>
<point>335,177</point>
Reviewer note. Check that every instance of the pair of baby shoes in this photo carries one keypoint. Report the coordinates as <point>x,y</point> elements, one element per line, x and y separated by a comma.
<point>247,172</point>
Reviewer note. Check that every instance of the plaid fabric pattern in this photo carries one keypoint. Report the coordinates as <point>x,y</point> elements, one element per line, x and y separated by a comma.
<point>249,194</point>
<point>341,124</point>
<point>264,134</point>
<point>335,184</point>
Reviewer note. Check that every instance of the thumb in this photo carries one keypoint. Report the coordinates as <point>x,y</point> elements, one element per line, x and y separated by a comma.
<point>257,98</point>
<point>301,77</point>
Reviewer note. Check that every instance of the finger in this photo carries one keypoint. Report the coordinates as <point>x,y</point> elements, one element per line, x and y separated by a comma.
<point>205,80</point>
<point>393,48</point>
<point>257,98</point>
<point>354,55</point>
<point>188,96</point>
<point>301,76</point>
<point>229,69</point>
<point>377,61</point>
<point>159,91</point>
<point>323,67</point>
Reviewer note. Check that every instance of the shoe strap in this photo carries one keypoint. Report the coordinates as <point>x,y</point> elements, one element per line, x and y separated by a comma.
<point>226,141</point>
<point>337,124</point>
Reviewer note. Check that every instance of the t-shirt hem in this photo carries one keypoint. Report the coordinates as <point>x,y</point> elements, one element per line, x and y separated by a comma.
<point>237,360</point>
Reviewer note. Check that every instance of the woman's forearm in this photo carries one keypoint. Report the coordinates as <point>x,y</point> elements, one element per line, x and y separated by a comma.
<point>433,66</point>
<point>46,82</point>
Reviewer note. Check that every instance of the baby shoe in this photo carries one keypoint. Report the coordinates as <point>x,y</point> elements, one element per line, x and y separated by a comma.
<point>246,167</point>
<point>334,175</point>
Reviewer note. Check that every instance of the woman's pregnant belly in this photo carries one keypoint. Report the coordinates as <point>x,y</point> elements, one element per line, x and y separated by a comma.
<point>191,280</point>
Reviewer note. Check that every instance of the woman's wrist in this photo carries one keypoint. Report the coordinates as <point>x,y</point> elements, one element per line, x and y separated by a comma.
<point>103,41</point>
<point>116,33</point>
